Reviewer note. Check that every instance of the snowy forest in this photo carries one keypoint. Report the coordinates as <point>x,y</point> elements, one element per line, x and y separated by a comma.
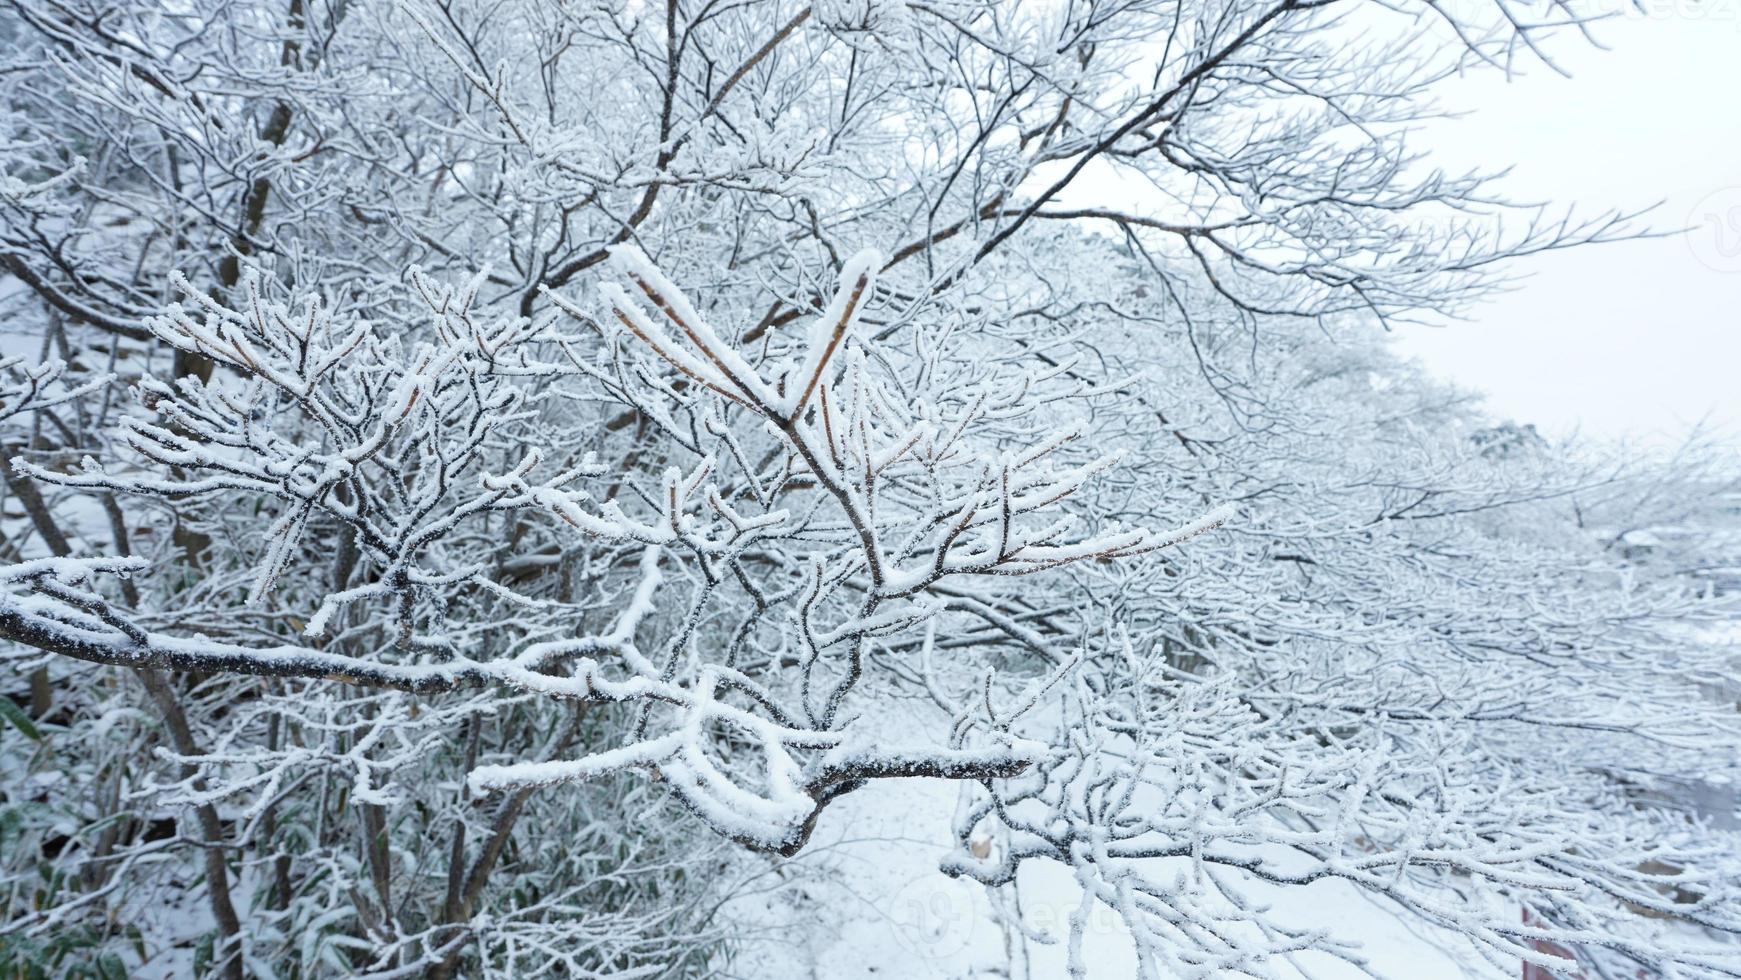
<point>636,489</point>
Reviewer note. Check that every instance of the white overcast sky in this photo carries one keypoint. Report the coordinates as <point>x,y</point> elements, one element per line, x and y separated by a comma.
<point>1636,340</point>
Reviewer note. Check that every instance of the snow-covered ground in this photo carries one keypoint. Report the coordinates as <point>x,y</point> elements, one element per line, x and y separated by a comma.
<point>865,901</point>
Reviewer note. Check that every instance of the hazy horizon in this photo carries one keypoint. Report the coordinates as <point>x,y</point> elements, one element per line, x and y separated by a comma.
<point>1634,340</point>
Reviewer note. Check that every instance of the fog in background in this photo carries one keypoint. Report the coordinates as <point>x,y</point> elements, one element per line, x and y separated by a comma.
<point>1636,340</point>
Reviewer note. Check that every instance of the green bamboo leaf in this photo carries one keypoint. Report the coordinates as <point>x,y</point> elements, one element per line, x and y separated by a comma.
<point>10,710</point>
